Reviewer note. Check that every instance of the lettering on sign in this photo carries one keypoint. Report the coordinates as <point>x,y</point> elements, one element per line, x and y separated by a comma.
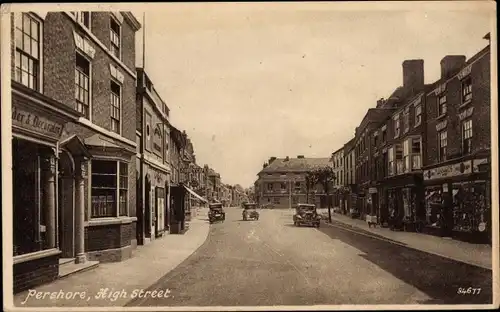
<point>447,171</point>
<point>465,72</point>
<point>440,126</point>
<point>478,162</point>
<point>440,89</point>
<point>466,113</point>
<point>84,45</point>
<point>372,190</point>
<point>116,73</point>
<point>36,123</point>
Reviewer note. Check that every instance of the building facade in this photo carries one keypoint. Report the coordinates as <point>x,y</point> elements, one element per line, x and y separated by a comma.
<point>73,158</point>
<point>153,162</point>
<point>457,167</point>
<point>282,182</point>
<point>338,168</point>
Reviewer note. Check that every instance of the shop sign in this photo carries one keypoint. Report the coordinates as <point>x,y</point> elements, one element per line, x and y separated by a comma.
<point>466,113</point>
<point>372,190</point>
<point>36,123</point>
<point>440,126</point>
<point>465,72</point>
<point>448,171</point>
<point>478,162</point>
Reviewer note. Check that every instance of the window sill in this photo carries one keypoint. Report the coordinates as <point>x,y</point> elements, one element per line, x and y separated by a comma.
<point>464,104</point>
<point>36,255</point>
<point>441,116</point>
<point>112,220</point>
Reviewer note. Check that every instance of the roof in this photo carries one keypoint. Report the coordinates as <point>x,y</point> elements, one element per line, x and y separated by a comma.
<point>296,164</point>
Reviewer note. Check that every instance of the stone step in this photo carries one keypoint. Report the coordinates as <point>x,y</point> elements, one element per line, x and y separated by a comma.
<point>70,268</point>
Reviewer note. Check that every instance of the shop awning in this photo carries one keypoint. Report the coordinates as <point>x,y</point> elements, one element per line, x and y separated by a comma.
<point>195,195</point>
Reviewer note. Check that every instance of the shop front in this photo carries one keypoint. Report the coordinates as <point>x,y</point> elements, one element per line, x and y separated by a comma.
<point>458,200</point>
<point>177,215</point>
<point>403,202</point>
<point>37,127</point>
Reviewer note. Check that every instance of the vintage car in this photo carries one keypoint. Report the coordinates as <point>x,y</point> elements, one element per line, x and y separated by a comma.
<point>216,212</point>
<point>306,214</point>
<point>250,212</point>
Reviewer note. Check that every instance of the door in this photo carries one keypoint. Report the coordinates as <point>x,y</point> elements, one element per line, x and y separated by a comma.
<point>140,212</point>
<point>66,208</point>
<point>160,206</point>
<point>148,210</point>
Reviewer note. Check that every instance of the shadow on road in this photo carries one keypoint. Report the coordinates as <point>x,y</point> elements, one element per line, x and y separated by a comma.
<point>438,277</point>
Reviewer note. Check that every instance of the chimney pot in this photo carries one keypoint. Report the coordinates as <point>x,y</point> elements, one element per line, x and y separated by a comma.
<point>300,156</point>
<point>451,64</point>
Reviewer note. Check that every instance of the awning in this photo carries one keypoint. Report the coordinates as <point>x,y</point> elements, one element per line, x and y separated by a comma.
<point>195,195</point>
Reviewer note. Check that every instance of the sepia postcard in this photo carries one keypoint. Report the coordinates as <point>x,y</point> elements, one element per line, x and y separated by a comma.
<point>239,156</point>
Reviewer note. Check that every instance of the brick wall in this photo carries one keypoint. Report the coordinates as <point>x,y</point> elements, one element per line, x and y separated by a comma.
<point>111,236</point>
<point>480,74</point>
<point>128,45</point>
<point>59,53</point>
<point>33,273</point>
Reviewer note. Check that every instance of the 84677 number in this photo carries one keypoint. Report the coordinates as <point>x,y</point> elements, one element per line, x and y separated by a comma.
<point>468,291</point>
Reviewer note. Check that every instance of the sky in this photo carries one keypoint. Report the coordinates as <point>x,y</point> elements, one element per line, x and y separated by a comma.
<point>248,81</point>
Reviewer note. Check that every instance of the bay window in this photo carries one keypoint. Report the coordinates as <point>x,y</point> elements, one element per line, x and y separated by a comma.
<point>442,144</point>
<point>406,155</point>
<point>390,156</point>
<point>467,136</point>
<point>399,159</point>
<point>27,54</point>
<point>109,189</point>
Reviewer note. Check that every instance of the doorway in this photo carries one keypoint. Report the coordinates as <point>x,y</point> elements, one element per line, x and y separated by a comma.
<point>148,210</point>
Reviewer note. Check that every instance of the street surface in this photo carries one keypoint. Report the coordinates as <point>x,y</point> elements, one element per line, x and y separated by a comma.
<point>271,262</point>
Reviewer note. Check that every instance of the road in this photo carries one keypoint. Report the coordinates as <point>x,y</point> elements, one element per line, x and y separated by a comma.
<point>271,262</point>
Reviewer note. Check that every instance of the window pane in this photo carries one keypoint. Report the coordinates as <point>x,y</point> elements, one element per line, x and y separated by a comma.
<point>24,78</point>
<point>27,44</point>
<point>19,39</point>
<point>34,49</point>
<point>34,30</point>
<point>103,166</point>
<point>26,24</point>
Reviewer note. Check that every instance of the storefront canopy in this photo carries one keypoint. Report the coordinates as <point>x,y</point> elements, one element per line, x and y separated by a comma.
<point>195,195</point>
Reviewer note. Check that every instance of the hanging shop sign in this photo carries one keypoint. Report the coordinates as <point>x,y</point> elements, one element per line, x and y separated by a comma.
<point>36,122</point>
<point>448,171</point>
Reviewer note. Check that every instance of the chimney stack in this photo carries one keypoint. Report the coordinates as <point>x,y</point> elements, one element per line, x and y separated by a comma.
<point>300,156</point>
<point>413,76</point>
<point>451,64</point>
<point>271,159</point>
<point>380,102</point>
<point>287,158</point>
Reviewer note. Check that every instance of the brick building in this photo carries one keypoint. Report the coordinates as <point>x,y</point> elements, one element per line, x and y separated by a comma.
<point>281,182</point>
<point>349,188</point>
<point>73,85</point>
<point>338,170</point>
<point>153,162</point>
<point>457,164</point>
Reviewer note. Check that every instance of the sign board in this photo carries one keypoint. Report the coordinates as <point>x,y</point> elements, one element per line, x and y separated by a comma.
<point>372,190</point>
<point>36,122</point>
<point>448,171</point>
<point>157,140</point>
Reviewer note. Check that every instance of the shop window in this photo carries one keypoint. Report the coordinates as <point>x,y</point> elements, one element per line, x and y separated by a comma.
<point>109,189</point>
<point>418,115</point>
<point>115,107</point>
<point>297,187</point>
<point>441,101</point>
<point>28,201</point>
<point>467,136</point>
<point>442,144</point>
<point>469,206</point>
<point>466,90</point>
<point>434,205</point>
<point>114,34</point>
<point>27,54</point>
<point>82,85</point>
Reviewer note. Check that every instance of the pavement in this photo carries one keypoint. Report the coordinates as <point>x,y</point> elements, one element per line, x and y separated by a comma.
<point>271,262</point>
<point>474,254</point>
<point>114,284</point>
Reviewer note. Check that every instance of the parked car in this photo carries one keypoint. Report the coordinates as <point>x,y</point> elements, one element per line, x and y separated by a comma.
<point>306,214</point>
<point>250,212</point>
<point>216,212</point>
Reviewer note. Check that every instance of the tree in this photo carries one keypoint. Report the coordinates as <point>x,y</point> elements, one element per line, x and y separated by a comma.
<point>325,177</point>
<point>311,181</point>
